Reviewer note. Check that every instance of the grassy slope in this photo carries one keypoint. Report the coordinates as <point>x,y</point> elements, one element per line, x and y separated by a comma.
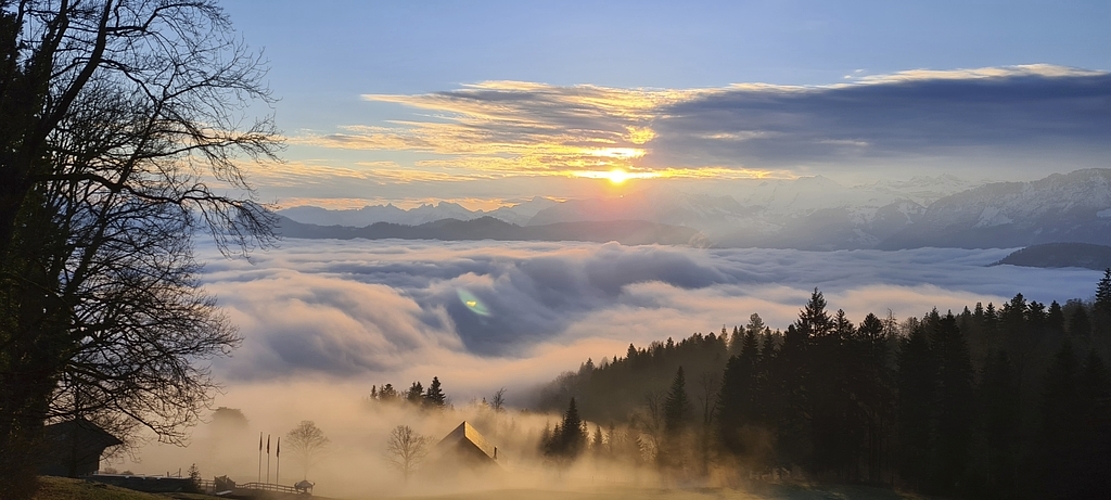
<point>61,488</point>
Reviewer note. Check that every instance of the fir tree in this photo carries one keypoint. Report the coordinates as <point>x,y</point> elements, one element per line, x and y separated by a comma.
<point>1060,438</point>
<point>1103,294</point>
<point>570,436</point>
<point>1091,478</point>
<point>1055,319</point>
<point>677,406</point>
<point>954,403</point>
<point>415,393</point>
<point>435,397</point>
<point>917,389</point>
<point>1000,425</point>
<point>1079,324</point>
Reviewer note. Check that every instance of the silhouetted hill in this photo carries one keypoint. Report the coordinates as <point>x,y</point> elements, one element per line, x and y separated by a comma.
<point>626,232</point>
<point>1086,255</point>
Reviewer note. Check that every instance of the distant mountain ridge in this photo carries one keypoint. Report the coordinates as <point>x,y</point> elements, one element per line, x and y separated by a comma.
<point>489,228</point>
<point>817,213</point>
<point>1054,255</point>
<point>518,214</point>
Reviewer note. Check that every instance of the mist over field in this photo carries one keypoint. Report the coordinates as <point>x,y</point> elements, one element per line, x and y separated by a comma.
<point>324,320</point>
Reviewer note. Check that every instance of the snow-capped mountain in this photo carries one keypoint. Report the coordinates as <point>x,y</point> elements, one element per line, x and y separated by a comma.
<point>362,217</point>
<point>1073,207</point>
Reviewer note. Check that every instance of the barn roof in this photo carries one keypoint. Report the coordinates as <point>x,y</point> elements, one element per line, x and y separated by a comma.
<point>465,434</point>
<point>86,432</point>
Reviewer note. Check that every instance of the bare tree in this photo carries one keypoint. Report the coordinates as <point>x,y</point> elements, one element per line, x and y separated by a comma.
<point>650,421</point>
<point>497,403</point>
<point>406,449</point>
<point>308,444</point>
<point>121,134</point>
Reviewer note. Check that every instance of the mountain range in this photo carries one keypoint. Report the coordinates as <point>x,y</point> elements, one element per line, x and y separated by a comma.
<point>489,228</point>
<point>815,213</point>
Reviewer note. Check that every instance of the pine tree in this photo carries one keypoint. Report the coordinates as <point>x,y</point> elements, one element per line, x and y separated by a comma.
<point>1079,324</point>
<point>917,388</point>
<point>1055,319</point>
<point>1061,437</point>
<point>1091,478</point>
<point>1103,294</point>
<point>735,385</point>
<point>435,397</point>
<point>872,384</point>
<point>415,394</point>
<point>677,406</point>
<point>1000,425</point>
<point>1101,308</point>
<point>955,400</point>
<point>570,435</point>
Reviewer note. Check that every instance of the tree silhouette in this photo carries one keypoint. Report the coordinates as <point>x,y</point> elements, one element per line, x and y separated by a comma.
<point>434,397</point>
<point>308,444</point>
<point>113,112</point>
<point>415,394</point>
<point>405,450</point>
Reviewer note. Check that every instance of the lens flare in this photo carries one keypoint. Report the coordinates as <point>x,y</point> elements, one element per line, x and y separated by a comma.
<point>473,303</point>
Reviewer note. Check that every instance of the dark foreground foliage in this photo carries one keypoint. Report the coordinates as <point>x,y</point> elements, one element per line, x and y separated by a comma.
<point>1008,402</point>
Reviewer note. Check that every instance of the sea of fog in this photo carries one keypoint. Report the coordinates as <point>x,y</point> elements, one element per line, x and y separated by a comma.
<point>323,320</point>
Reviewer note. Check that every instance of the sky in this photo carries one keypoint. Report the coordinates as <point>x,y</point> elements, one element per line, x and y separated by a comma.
<point>492,103</point>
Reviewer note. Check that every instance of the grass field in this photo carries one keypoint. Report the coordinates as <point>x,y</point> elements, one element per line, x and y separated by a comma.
<point>62,488</point>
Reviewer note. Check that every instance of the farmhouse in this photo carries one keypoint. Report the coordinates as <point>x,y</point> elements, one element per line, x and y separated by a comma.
<point>73,448</point>
<point>465,446</point>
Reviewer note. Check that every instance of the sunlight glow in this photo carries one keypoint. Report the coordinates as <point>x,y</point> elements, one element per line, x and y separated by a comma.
<point>616,176</point>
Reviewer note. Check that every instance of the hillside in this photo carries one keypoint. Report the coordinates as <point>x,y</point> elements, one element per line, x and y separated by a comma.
<point>64,488</point>
<point>1052,255</point>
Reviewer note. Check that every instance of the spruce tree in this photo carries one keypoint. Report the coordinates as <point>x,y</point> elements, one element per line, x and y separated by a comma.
<point>415,394</point>
<point>677,406</point>
<point>999,398</point>
<point>1061,431</point>
<point>955,399</point>
<point>1103,293</point>
<point>435,397</point>
<point>917,388</point>
<point>1079,324</point>
<point>570,436</point>
<point>1055,319</point>
<point>1094,391</point>
<point>1101,308</point>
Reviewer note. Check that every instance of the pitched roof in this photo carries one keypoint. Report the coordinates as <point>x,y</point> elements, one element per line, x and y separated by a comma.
<point>466,434</point>
<point>86,432</point>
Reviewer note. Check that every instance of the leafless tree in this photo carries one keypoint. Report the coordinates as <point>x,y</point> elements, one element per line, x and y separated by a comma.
<point>649,420</point>
<point>124,126</point>
<point>406,449</point>
<point>308,444</point>
<point>497,403</point>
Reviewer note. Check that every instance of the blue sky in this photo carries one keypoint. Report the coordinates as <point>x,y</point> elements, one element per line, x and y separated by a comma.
<point>358,69</point>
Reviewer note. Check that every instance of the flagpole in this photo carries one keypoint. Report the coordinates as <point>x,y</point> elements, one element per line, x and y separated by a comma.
<point>278,469</point>
<point>260,457</point>
<point>267,459</point>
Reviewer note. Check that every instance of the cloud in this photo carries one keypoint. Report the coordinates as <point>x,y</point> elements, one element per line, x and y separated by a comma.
<point>960,116</point>
<point>982,117</point>
<point>391,311</point>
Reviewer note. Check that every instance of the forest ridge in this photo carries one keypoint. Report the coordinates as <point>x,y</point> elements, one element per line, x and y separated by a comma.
<point>1008,402</point>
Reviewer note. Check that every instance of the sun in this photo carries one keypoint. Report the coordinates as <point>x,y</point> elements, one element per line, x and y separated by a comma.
<point>617,176</point>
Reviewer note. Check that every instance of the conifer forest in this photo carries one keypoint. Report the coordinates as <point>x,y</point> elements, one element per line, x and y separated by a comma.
<point>1009,401</point>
